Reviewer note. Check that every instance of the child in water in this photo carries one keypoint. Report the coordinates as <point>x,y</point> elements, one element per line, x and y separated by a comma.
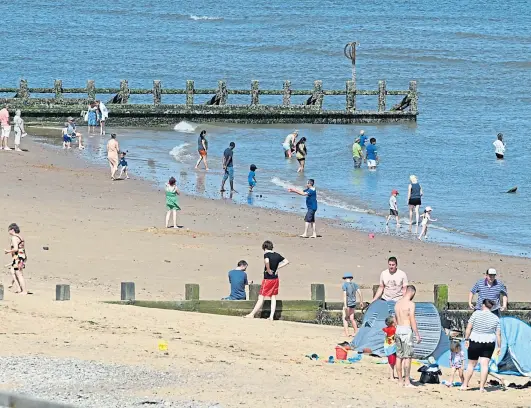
<point>390,345</point>
<point>425,219</point>
<point>457,359</point>
<point>123,164</point>
<point>251,178</point>
<point>393,208</point>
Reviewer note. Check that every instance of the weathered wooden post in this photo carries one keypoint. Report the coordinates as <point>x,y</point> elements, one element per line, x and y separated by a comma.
<point>23,91</point>
<point>62,292</point>
<point>124,91</point>
<point>318,92</point>
<point>191,291</point>
<point>381,96</point>
<point>286,97</point>
<point>318,292</point>
<point>255,98</point>
<point>222,91</point>
<point>413,107</point>
<point>1,292</point>
<point>58,89</point>
<point>91,90</point>
<point>440,297</point>
<point>157,92</point>
<point>351,96</point>
<point>375,289</point>
<point>254,291</point>
<point>189,93</point>
<point>127,291</point>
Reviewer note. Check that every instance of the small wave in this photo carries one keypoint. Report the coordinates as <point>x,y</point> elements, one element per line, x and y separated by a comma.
<point>179,153</point>
<point>322,197</point>
<point>185,127</point>
<point>197,18</point>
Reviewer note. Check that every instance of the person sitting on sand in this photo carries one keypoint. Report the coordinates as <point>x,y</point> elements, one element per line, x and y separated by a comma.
<point>425,219</point>
<point>350,290</point>
<point>406,327</point>
<point>238,282</point>
<point>18,253</point>
<point>273,261</point>
<point>172,202</point>
<point>311,205</point>
<point>72,131</point>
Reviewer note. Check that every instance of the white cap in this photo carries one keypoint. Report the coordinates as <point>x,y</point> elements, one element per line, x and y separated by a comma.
<point>491,271</point>
<point>428,208</point>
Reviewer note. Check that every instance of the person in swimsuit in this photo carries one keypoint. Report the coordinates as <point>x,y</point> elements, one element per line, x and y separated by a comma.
<point>202,147</point>
<point>18,253</point>
<point>426,217</point>
<point>406,327</point>
<point>300,153</point>
<point>289,143</point>
<point>172,202</point>
<point>113,149</point>
<point>414,195</point>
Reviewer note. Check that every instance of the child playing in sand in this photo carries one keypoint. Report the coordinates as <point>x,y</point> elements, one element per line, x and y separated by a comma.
<point>350,290</point>
<point>172,202</point>
<point>251,178</point>
<point>393,208</point>
<point>123,164</point>
<point>425,219</point>
<point>389,344</point>
<point>457,359</point>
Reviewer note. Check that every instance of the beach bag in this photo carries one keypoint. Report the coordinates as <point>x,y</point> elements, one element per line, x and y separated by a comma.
<point>430,375</point>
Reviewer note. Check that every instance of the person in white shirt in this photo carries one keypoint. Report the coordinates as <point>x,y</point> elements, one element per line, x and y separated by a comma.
<point>393,208</point>
<point>19,129</point>
<point>104,115</point>
<point>499,147</point>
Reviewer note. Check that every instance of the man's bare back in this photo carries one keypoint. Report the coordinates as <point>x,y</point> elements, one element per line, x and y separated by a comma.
<point>404,308</point>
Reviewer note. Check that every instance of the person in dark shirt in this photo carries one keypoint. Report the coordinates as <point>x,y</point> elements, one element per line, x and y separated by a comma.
<point>238,282</point>
<point>273,261</point>
<point>228,167</point>
<point>311,204</point>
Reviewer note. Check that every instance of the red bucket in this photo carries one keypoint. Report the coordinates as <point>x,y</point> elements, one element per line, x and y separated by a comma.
<point>342,352</point>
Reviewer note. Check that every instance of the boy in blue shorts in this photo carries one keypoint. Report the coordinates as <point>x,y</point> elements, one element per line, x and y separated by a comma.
<point>251,178</point>
<point>123,164</point>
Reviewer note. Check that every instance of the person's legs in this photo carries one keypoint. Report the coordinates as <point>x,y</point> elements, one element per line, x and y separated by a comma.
<point>417,215</point>
<point>484,373</point>
<point>102,123</point>
<point>168,218</point>
<point>125,172</point>
<point>13,277</point>
<point>231,179</point>
<point>410,216</point>
<point>225,177</point>
<point>422,232</point>
<point>352,312</point>
<point>399,371</point>
<point>205,162</point>
<point>314,235</point>
<point>392,363</point>
<point>273,307</point>
<point>199,161</point>
<point>174,212</point>
<point>461,374</point>
<point>387,220</point>
<point>257,307</point>
<point>406,363</point>
<point>345,320</point>
<point>21,282</point>
<point>397,222</point>
<point>469,373</point>
<point>305,233</point>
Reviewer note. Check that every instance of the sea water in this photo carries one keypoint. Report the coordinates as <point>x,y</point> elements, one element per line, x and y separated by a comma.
<point>472,62</point>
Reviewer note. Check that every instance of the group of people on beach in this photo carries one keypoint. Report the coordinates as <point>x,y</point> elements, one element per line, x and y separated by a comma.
<point>18,127</point>
<point>96,115</point>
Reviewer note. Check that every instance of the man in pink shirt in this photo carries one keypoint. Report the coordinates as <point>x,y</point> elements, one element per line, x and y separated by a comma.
<point>393,282</point>
<point>6,128</point>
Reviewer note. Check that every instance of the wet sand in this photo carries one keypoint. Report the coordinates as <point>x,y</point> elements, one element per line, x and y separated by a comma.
<point>101,233</point>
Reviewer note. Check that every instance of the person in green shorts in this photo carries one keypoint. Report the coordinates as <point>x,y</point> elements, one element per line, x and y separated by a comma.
<point>172,202</point>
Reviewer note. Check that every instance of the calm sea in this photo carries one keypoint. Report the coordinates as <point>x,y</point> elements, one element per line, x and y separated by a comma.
<point>472,61</point>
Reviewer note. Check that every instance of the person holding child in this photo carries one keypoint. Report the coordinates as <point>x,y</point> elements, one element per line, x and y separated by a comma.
<point>350,290</point>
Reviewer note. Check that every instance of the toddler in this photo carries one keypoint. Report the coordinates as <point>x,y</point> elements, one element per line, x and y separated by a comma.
<point>390,345</point>
<point>457,359</point>
<point>251,178</point>
<point>393,208</point>
<point>425,219</point>
<point>123,164</point>
<point>350,290</point>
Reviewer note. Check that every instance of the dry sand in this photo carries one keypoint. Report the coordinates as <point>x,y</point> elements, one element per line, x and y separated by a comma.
<point>101,233</point>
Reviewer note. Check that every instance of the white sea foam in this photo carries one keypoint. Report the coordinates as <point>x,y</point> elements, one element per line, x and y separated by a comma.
<point>180,153</point>
<point>185,127</point>
<point>196,18</point>
<point>322,197</point>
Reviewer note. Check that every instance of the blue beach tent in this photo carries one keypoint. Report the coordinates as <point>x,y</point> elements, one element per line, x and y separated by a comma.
<point>515,354</point>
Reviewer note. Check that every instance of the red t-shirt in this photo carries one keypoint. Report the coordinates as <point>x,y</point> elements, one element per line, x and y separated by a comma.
<point>390,334</point>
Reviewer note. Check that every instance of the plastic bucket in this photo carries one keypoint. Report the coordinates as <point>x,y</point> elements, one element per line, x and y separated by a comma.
<point>342,352</point>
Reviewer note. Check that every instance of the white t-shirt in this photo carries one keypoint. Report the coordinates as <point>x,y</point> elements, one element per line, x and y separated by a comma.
<point>392,203</point>
<point>393,283</point>
<point>104,111</point>
<point>499,147</point>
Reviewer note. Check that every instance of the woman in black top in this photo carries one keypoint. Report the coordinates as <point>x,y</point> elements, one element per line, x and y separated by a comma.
<point>202,147</point>
<point>273,261</point>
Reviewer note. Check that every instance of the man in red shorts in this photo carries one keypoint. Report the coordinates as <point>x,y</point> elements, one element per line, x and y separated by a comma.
<point>272,263</point>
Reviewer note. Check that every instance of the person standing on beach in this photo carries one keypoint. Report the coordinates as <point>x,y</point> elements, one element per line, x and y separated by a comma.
<point>6,128</point>
<point>273,261</point>
<point>393,282</point>
<point>499,147</point>
<point>426,218</point>
<point>300,154</point>
<point>18,253</point>
<point>228,167</point>
<point>19,129</point>
<point>202,147</point>
<point>372,154</point>
<point>311,204</point>
<point>489,288</point>
<point>113,149</point>
<point>406,326</point>
<point>104,115</point>
<point>414,200</point>
<point>289,143</point>
<point>393,208</point>
<point>92,118</point>
<point>172,201</point>
<point>357,153</point>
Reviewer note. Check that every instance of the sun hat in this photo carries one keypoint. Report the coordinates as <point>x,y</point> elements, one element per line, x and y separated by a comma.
<point>491,271</point>
<point>428,209</point>
<point>347,275</point>
<point>394,192</point>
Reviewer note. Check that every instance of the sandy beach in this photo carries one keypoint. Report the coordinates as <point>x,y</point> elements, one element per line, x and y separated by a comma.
<point>100,233</point>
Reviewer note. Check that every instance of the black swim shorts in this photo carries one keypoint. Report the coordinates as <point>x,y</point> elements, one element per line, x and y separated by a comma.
<point>310,216</point>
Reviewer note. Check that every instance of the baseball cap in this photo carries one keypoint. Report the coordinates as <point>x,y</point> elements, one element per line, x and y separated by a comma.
<point>394,192</point>
<point>347,275</point>
<point>491,271</point>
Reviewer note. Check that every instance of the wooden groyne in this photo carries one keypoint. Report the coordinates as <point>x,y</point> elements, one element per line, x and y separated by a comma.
<point>57,103</point>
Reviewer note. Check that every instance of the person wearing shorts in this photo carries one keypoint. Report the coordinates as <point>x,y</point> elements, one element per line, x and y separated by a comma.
<point>482,333</point>
<point>202,147</point>
<point>273,261</point>
<point>372,154</point>
<point>311,204</point>
<point>6,128</point>
<point>357,153</point>
<point>414,200</point>
<point>228,167</point>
